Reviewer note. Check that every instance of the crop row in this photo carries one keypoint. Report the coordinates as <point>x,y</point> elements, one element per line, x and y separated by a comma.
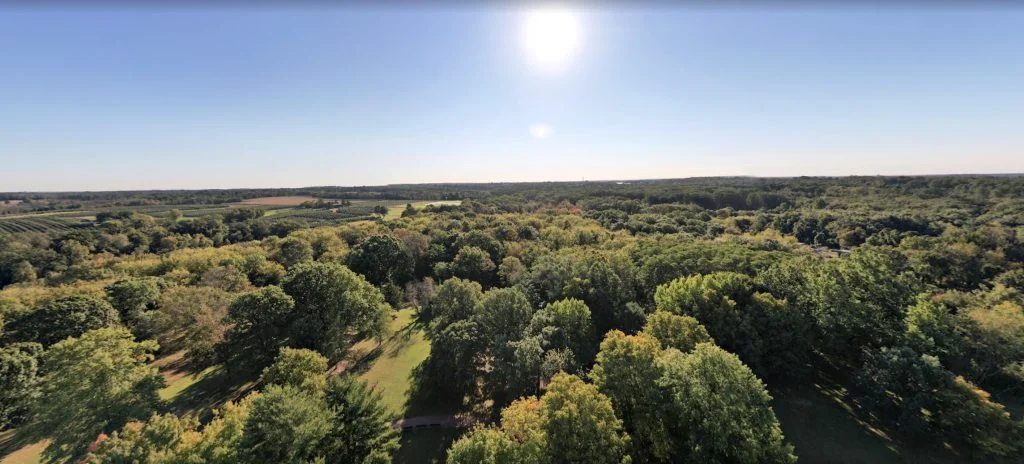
<point>35,224</point>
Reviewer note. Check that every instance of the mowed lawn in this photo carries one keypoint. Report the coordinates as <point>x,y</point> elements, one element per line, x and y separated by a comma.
<point>388,366</point>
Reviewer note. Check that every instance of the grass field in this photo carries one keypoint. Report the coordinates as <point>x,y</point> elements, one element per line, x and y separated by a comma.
<point>388,366</point>
<point>395,210</point>
<point>186,390</point>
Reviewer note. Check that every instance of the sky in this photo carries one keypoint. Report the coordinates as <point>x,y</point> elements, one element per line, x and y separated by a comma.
<point>115,98</point>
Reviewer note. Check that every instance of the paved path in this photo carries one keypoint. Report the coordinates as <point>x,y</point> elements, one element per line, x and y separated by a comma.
<point>424,421</point>
<point>419,422</point>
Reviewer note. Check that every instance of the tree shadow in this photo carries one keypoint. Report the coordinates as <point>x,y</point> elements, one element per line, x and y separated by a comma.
<point>214,389</point>
<point>363,363</point>
<point>427,445</point>
<point>401,339</point>
<point>424,400</point>
<point>11,441</point>
<point>826,422</point>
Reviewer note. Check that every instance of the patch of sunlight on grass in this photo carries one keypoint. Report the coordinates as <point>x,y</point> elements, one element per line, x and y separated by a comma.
<point>391,372</point>
<point>180,383</point>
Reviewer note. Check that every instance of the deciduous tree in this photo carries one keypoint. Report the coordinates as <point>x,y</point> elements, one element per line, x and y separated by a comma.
<point>333,305</point>
<point>93,384</point>
<point>63,317</point>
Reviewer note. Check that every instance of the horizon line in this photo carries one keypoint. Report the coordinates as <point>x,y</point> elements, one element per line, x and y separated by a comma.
<point>582,181</point>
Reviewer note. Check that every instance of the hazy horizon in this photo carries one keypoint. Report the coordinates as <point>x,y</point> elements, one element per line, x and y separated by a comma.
<point>570,181</point>
<point>108,99</point>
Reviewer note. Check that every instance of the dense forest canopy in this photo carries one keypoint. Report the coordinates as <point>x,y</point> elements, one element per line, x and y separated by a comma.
<point>555,322</point>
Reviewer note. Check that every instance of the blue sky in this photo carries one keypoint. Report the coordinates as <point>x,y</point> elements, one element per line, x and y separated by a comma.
<point>103,99</point>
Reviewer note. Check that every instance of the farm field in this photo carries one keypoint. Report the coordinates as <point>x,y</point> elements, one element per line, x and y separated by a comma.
<point>40,223</point>
<point>277,201</point>
<point>275,209</point>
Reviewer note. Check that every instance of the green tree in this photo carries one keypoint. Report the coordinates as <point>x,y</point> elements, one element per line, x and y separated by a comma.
<point>674,331</point>
<point>191,319</point>
<point>361,429</point>
<point>925,401</point>
<point>292,251</point>
<point>166,438</point>
<point>345,422</point>
<point>456,356</point>
<point>770,335</point>
<point>503,315</point>
<point>511,270</point>
<point>73,252</point>
<point>155,441</point>
<point>409,210</point>
<point>580,423</point>
<point>19,381</point>
<point>260,271</point>
<point>227,278</point>
<point>454,300</point>
<point>261,323</point>
<point>133,296</point>
<point>487,446</point>
<point>482,240</point>
<point>286,425</point>
<point>64,317</point>
<point>566,325</point>
<point>296,367</point>
<point>932,329</point>
<point>474,264</point>
<point>607,282</point>
<point>334,305</point>
<point>93,384</point>
<point>860,302</point>
<point>996,340</point>
<point>712,383</point>
<point>518,369</point>
<point>571,423</point>
<point>23,271</point>
<point>382,259</point>
<point>627,371</point>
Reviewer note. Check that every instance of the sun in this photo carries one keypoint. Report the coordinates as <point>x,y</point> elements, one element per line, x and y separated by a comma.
<point>550,37</point>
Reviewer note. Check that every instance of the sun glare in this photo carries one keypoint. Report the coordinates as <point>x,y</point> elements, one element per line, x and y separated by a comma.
<point>550,37</point>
